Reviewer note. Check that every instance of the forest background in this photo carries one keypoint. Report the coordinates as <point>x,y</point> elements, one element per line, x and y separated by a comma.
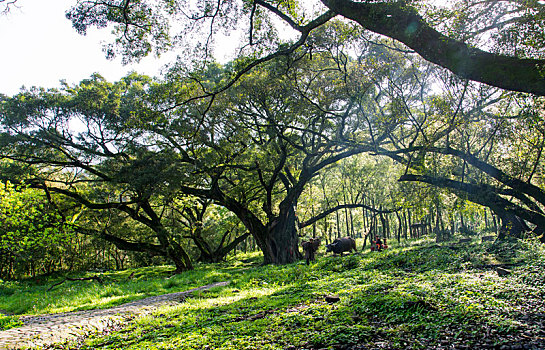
<point>379,117</point>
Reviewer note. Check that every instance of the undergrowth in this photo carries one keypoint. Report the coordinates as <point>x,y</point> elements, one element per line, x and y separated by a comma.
<point>415,295</point>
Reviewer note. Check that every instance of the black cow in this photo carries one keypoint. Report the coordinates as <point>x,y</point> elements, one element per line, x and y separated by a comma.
<point>341,245</point>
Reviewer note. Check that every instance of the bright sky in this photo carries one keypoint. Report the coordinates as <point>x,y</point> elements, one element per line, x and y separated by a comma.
<point>40,48</point>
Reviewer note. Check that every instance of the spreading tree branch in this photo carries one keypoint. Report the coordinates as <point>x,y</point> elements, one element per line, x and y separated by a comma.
<point>399,21</point>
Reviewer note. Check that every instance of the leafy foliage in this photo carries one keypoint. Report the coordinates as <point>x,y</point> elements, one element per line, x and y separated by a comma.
<point>32,233</point>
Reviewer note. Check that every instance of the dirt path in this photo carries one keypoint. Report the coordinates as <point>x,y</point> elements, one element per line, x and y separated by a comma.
<point>42,330</point>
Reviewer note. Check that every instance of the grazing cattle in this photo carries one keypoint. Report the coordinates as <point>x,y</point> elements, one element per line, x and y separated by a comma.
<point>310,247</point>
<point>341,245</point>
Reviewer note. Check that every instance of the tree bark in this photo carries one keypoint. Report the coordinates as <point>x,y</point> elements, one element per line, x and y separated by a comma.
<point>282,241</point>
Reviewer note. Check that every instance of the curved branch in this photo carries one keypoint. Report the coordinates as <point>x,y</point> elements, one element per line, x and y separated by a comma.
<point>280,14</point>
<point>344,206</point>
<point>246,216</point>
<point>121,243</point>
<point>481,194</point>
<point>224,250</point>
<point>401,22</point>
<point>518,185</point>
<point>6,8</point>
<point>305,32</point>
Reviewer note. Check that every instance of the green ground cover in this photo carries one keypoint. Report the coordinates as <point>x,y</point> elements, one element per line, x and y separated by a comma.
<point>421,295</point>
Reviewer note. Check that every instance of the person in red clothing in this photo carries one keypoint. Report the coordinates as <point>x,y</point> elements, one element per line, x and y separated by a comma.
<point>378,243</point>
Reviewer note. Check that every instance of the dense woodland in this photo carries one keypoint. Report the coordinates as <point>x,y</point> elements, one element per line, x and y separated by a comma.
<point>391,119</point>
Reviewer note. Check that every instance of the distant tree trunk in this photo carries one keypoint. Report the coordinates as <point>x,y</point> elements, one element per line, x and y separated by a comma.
<point>494,222</point>
<point>346,214</point>
<point>410,223</point>
<point>386,227</point>
<point>312,213</point>
<point>326,228</point>
<point>338,235</point>
<point>400,227</point>
<point>364,218</point>
<point>352,231</point>
<point>383,223</point>
<point>442,234</point>
<point>405,225</point>
<point>324,231</point>
<point>365,237</point>
<point>374,227</point>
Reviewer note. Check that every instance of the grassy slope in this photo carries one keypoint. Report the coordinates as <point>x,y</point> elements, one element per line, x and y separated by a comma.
<point>422,296</point>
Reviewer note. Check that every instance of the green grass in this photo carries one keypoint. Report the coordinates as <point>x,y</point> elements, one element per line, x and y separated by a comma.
<point>421,295</point>
<point>31,297</point>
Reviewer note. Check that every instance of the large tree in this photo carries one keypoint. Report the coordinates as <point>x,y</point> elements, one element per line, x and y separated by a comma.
<point>253,151</point>
<point>499,43</point>
<point>79,142</point>
<point>265,138</point>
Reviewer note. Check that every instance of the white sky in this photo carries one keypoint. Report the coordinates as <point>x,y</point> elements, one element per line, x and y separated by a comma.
<point>39,47</point>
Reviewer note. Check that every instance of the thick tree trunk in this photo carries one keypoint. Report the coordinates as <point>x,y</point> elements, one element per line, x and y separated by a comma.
<point>281,244</point>
<point>179,257</point>
<point>511,226</point>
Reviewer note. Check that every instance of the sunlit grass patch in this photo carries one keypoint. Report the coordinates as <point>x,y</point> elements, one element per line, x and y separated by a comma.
<point>24,297</point>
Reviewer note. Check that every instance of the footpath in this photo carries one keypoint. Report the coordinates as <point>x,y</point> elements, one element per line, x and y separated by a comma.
<point>44,330</point>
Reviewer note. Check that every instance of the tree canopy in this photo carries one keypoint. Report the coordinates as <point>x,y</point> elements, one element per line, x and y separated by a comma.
<point>509,32</point>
